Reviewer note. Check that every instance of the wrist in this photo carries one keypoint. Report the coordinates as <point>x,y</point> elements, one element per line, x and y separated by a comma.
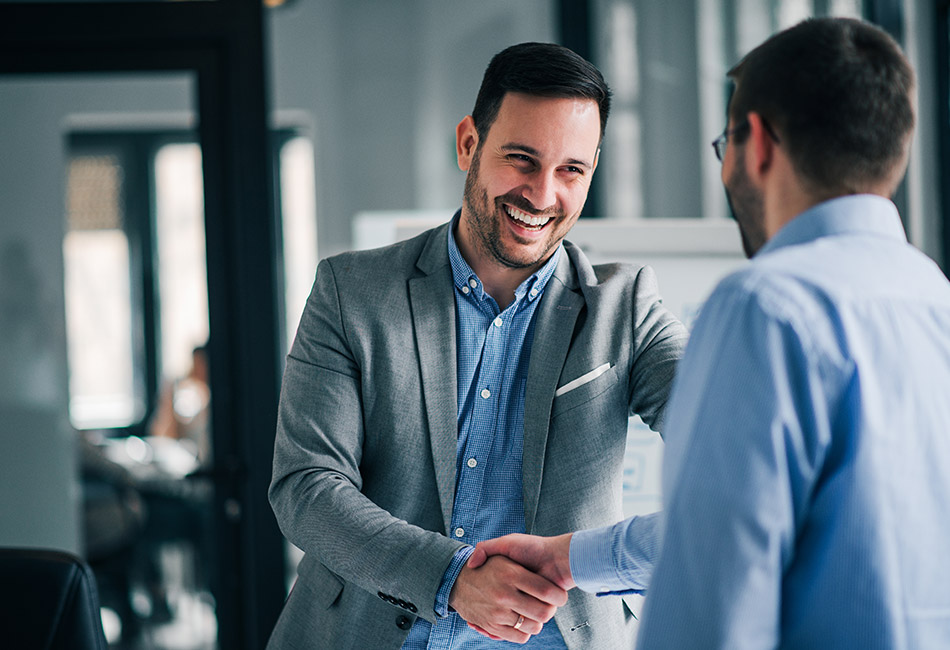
<point>563,560</point>
<point>445,596</point>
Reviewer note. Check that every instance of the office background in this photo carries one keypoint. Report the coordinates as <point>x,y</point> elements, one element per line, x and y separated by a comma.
<point>171,173</point>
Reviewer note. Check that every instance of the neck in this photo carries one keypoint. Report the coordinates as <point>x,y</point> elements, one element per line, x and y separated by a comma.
<point>786,197</point>
<point>500,281</point>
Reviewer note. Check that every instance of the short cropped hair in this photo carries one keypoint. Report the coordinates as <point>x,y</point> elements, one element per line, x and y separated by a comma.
<point>839,92</point>
<point>543,70</point>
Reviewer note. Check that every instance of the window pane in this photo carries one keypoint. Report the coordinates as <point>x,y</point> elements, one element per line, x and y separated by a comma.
<point>850,8</point>
<point>98,297</point>
<point>299,219</point>
<point>183,285</point>
<point>651,57</point>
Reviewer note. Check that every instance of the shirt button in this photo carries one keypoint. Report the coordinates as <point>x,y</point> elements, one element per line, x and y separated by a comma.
<point>472,462</point>
<point>498,322</point>
<point>472,283</point>
<point>534,292</point>
<point>459,532</point>
<point>465,290</point>
<point>486,393</point>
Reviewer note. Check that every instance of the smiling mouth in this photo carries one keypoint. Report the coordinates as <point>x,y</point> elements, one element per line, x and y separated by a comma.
<point>526,220</point>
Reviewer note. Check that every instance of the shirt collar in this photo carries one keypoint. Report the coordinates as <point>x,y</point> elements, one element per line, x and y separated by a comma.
<point>867,214</point>
<point>463,276</point>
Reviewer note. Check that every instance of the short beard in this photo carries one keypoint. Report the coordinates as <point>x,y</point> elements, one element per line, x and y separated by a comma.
<point>747,207</point>
<point>483,227</point>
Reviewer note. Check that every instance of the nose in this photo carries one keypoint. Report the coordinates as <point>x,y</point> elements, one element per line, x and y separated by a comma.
<point>541,190</point>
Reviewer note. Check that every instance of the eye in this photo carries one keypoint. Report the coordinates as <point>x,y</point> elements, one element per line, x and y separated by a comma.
<point>572,169</point>
<point>520,159</point>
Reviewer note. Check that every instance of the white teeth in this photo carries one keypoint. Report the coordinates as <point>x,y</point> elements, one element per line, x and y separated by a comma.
<point>526,218</point>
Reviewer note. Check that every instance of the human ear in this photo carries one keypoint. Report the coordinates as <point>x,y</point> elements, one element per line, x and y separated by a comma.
<point>760,145</point>
<point>466,142</point>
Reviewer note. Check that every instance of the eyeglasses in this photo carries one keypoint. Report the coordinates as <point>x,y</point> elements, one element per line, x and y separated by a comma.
<point>719,144</point>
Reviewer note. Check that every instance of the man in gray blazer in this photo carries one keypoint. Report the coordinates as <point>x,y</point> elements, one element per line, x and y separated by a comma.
<point>468,383</point>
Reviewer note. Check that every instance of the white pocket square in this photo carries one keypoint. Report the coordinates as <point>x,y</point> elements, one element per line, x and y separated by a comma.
<point>583,379</point>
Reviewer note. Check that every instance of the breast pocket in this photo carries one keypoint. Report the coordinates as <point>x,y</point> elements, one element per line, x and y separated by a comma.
<point>583,388</point>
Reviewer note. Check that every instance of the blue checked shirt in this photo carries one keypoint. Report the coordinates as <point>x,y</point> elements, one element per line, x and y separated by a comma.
<point>494,348</point>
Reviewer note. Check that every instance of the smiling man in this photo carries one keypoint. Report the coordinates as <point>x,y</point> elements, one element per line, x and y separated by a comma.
<point>468,383</point>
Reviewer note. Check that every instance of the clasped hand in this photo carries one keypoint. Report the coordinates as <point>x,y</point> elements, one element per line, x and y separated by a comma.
<point>513,577</point>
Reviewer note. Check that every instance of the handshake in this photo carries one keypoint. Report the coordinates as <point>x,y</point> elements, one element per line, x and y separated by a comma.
<point>512,585</point>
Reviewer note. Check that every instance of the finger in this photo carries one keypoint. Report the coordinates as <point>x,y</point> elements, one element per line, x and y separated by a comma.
<point>529,625</point>
<point>484,632</point>
<point>530,607</point>
<point>525,593</point>
<point>540,588</point>
<point>477,558</point>
<point>497,546</point>
<point>508,633</point>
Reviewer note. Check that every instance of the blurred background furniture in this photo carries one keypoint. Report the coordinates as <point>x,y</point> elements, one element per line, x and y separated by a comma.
<point>48,601</point>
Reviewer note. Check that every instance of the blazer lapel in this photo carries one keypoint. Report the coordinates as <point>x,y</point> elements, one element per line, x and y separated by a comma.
<point>557,314</point>
<point>433,317</point>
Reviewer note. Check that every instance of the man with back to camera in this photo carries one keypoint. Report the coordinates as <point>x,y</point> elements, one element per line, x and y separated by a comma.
<point>807,462</point>
<point>470,382</point>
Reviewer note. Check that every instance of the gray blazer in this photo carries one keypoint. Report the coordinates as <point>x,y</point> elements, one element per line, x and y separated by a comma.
<point>364,463</point>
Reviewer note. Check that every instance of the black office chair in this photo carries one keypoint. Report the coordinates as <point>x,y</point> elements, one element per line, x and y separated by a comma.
<point>48,601</point>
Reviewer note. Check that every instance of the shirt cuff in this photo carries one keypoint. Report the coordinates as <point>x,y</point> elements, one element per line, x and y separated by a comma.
<point>448,580</point>
<point>616,559</point>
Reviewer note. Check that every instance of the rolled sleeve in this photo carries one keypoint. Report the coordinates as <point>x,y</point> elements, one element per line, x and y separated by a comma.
<point>448,580</point>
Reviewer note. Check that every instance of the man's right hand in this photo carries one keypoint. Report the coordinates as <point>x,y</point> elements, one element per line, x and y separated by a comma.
<point>493,597</point>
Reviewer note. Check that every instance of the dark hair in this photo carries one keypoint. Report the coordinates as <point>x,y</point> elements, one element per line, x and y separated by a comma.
<point>838,91</point>
<point>541,69</point>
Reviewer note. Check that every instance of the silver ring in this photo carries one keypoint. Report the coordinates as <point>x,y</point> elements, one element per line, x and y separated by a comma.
<point>520,622</point>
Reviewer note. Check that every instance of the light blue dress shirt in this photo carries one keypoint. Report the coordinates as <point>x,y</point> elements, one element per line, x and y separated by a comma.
<point>494,348</point>
<point>616,559</point>
<point>807,467</point>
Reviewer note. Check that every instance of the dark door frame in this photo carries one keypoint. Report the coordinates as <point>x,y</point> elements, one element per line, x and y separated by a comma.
<point>942,28</point>
<point>221,41</point>
<point>575,20</point>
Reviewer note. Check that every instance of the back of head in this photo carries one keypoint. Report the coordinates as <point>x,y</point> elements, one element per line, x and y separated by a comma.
<point>839,92</point>
<point>543,70</point>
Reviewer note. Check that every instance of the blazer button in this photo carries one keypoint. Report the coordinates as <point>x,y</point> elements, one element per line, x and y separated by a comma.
<point>412,608</point>
<point>403,622</point>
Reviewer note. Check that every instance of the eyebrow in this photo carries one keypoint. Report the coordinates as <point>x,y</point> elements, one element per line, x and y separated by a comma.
<point>515,146</point>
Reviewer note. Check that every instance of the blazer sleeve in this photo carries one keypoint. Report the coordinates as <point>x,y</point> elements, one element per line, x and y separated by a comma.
<point>659,340</point>
<point>315,491</point>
